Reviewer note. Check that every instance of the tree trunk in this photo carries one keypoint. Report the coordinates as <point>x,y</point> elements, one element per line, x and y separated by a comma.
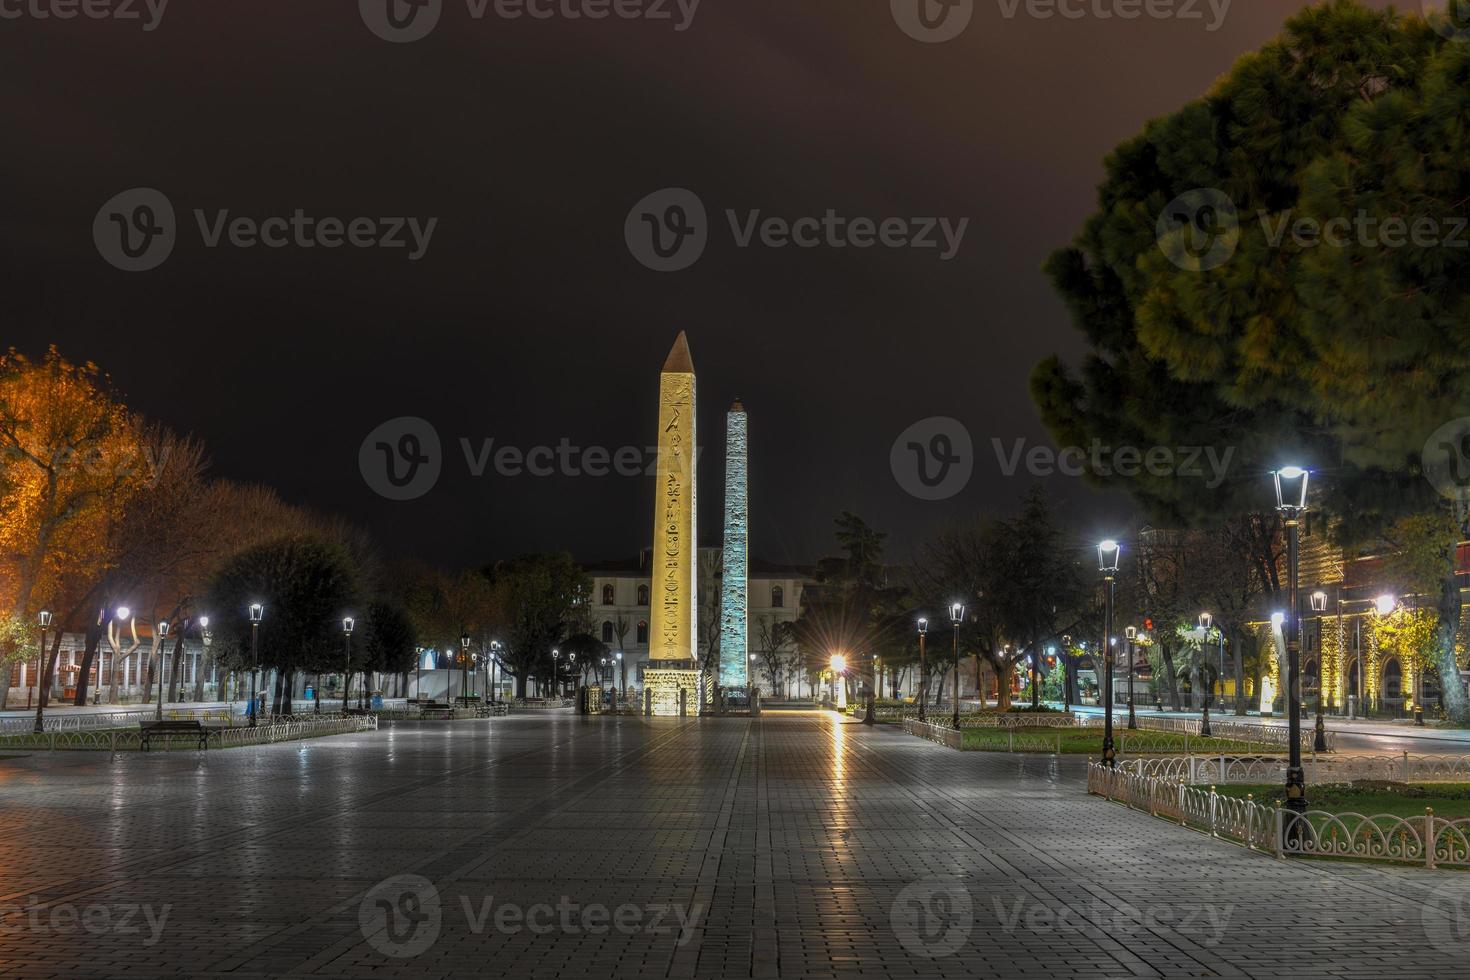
<point>199,675</point>
<point>1239,666</point>
<point>520,686</point>
<point>1170,675</point>
<point>84,673</point>
<point>174,671</point>
<point>1451,685</point>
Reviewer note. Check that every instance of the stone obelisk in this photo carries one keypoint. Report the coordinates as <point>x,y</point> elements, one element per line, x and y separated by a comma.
<point>672,628</point>
<point>734,628</point>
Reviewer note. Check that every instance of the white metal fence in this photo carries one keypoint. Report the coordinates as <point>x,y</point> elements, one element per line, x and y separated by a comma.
<point>283,729</point>
<point>1243,731</point>
<point>1428,840</point>
<point>1226,770</point>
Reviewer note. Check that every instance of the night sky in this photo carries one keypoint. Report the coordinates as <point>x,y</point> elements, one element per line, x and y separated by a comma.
<point>528,319</point>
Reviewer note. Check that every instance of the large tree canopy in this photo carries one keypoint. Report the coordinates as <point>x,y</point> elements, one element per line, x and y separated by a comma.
<point>1279,269</point>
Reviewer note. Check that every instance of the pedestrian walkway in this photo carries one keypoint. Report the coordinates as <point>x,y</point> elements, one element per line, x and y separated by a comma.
<point>790,845</point>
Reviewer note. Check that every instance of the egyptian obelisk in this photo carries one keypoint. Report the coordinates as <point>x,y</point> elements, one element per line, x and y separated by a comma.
<point>672,628</point>
<point>734,635</point>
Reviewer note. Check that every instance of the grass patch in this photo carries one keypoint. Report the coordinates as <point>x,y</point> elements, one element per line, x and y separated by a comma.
<point>1088,741</point>
<point>1370,797</point>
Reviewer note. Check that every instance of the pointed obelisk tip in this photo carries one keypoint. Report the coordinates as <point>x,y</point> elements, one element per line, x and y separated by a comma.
<point>679,361</point>
<point>736,406</point>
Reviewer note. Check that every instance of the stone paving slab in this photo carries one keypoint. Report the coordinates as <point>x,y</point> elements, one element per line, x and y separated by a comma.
<point>793,845</point>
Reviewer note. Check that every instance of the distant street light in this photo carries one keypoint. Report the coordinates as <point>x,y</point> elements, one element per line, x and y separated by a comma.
<point>956,617</point>
<point>1291,499</point>
<point>923,668</point>
<point>464,662</point>
<point>1108,554</point>
<point>347,626</point>
<point>257,612</point>
<point>1131,633</point>
<point>43,620</point>
<point>161,628</point>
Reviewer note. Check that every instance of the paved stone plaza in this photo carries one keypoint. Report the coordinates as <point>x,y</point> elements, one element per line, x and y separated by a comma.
<point>795,845</point>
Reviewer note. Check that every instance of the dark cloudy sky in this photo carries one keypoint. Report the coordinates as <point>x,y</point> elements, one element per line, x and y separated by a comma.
<point>528,320</point>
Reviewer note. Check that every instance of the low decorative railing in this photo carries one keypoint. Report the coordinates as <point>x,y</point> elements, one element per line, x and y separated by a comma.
<point>1243,731</point>
<point>1428,840</point>
<point>543,705</point>
<point>1226,770</point>
<point>942,734</point>
<point>127,739</point>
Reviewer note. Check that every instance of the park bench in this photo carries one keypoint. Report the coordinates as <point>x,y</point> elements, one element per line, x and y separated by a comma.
<point>180,728</point>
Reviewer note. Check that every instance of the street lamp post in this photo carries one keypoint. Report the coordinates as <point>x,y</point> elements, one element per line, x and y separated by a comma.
<point>923,669</point>
<point>43,620</point>
<point>494,663</point>
<point>551,687</point>
<point>347,625</point>
<point>1291,499</point>
<point>1205,619</point>
<point>1319,606</point>
<point>1131,635</point>
<point>1108,553</point>
<point>257,611</point>
<point>464,663</point>
<point>1066,672</point>
<point>161,628</point>
<point>956,617</point>
<point>622,677</point>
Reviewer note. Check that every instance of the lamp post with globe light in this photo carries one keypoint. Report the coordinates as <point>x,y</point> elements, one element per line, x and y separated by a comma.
<point>1131,635</point>
<point>923,669</point>
<point>257,612</point>
<point>1291,500</point>
<point>1108,554</point>
<point>956,617</point>
<point>43,620</point>
<point>161,628</point>
<point>347,626</point>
